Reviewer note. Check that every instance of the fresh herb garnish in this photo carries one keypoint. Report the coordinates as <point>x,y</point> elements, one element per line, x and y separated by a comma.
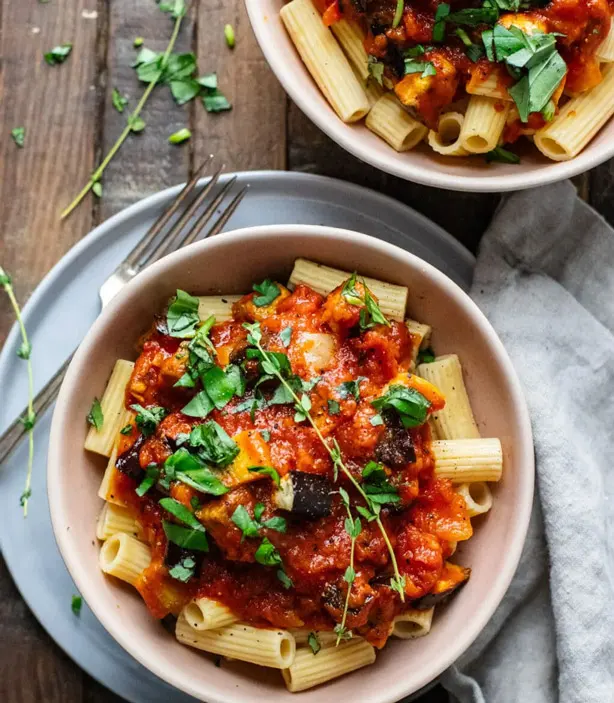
<point>398,13</point>
<point>151,476</point>
<point>266,554</point>
<point>503,156</point>
<point>266,435</point>
<point>119,101</point>
<point>176,8</point>
<point>267,471</point>
<point>426,356</point>
<point>314,642</point>
<point>471,17</point>
<point>200,405</point>
<point>138,41</point>
<point>245,522</point>
<point>439,28</point>
<point>229,35</point>
<point>425,68</point>
<point>58,54</point>
<point>376,70</point>
<point>286,581</point>
<point>212,444</point>
<point>353,528</point>
<point>126,430</point>
<point>376,420</point>
<point>18,134</point>
<point>136,124</point>
<point>371,314</point>
<point>186,537</point>
<point>180,136</point>
<point>182,316</point>
<point>269,291</point>
<point>350,388</point>
<point>410,405</point>
<point>184,570</point>
<point>147,419</point>
<point>285,336</point>
<point>76,603</point>
<point>377,486</point>
<point>189,469</point>
<point>95,416</point>
<point>333,407</point>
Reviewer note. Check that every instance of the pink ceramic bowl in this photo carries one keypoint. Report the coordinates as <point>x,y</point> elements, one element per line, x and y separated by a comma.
<point>230,263</point>
<point>421,165</point>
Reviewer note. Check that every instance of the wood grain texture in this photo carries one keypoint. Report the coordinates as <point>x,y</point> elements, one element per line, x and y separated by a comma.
<point>464,215</point>
<point>252,135</point>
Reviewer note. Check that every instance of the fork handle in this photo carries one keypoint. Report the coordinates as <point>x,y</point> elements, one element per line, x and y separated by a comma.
<point>16,431</point>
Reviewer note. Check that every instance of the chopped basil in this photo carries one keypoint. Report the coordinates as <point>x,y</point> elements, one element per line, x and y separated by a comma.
<point>58,54</point>
<point>411,406</point>
<point>221,386</point>
<point>258,510</point>
<point>209,80</point>
<point>275,523</point>
<point>95,416</point>
<point>302,408</point>
<point>126,429</point>
<point>371,314</point>
<point>376,420</point>
<point>267,471</point>
<point>269,291</point>
<point>245,522</point>
<point>314,642</point>
<point>19,135</point>
<point>348,388</point>
<point>174,507</point>
<point>229,35</point>
<point>184,570</point>
<point>182,316</point>
<point>426,356</point>
<point>376,485</point>
<point>151,476</point>
<point>398,13</point>
<point>200,405</point>
<point>147,419</point>
<point>503,156</point>
<point>189,469</point>
<point>186,537</point>
<point>119,101</point>
<point>333,407</point>
<point>76,603</point>
<point>471,17</point>
<point>286,335</point>
<point>376,70</point>
<point>439,29</point>
<point>266,435</point>
<point>266,554</point>
<point>186,381</point>
<point>180,136</point>
<point>214,101</point>
<point>212,444</point>
<point>286,581</point>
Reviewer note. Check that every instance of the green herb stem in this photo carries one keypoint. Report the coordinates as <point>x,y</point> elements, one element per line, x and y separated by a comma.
<point>26,344</point>
<point>345,470</point>
<point>350,584</point>
<point>97,174</point>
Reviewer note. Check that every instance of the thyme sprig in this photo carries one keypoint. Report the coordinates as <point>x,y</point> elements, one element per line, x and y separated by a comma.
<point>133,121</point>
<point>271,365</point>
<point>24,352</point>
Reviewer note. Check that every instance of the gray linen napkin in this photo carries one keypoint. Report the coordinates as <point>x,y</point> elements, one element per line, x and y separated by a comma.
<point>545,280</point>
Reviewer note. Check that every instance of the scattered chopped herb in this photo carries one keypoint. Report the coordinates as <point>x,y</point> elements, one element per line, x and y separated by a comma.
<point>212,444</point>
<point>314,642</point>
<point>286,335</point>
<point>214,101</point>
<point>376,70</point>
<point>267,471</point>
<point>348,388</point>
<point>195,503</point>
<point>371,314</point>
<point>25,350</point>
<point>503,156</point>
<point>333,407</point>
<point>184,570</point>
<point>76,603</point>
<point>182,316</point>
<point>411,406</point>
<point>245,522</point>
<point>426,356</point>
<point>186,537</point>
<point>266,435</point>
<point>126,429</point>
<point>229,35</point>
<point>376,420</point>
<point>439,28</point>
<point>178,510</point>
<point>119,101</point>
<point>200,405</point>
<point>268,290</point>
<point>286,581</point>
<point>302,407</point>
<point>377,486</point>
<point>258,510</point>
<point>147,419</point>
<point>136,123</point>
<point>95,416</point>
<point>425,68</point>
<point>471,17</point>
<point>151,476</point>
<point>266,554</point>
<point>58,54</point>
<point>19,135</point>
<point>398,13</point>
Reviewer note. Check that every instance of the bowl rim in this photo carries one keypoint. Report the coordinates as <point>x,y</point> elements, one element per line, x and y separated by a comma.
<point>341,133</point>
<point>56,460</point>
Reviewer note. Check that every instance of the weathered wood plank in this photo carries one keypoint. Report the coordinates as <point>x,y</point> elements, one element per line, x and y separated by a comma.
<point>465,215</point>
<point>602,190</point>
<point>147,161</point>
<point>252,135</point>
<point>57,107</point>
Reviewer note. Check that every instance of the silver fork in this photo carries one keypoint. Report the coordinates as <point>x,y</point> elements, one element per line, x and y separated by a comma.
<point>155,244</point>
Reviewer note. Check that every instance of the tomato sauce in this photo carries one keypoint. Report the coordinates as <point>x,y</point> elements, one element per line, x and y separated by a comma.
<point>315,553</point>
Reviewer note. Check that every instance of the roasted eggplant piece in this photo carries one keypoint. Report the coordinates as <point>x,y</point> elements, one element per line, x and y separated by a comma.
<point>395,447</point>
<point>453,579</point>
<point>128,462</point>
<point>304,495</point>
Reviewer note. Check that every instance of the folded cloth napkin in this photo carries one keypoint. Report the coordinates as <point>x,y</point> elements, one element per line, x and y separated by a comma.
<point>545,280</point>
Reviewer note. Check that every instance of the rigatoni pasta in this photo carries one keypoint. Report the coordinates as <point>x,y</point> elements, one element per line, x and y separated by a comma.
<point>222,487</point>
<point>513,66</point>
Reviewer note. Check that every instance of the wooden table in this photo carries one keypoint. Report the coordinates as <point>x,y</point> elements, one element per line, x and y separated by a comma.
<point>70,123</point>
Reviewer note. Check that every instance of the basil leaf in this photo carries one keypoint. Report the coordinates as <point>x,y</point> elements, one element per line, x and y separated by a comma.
<point>376,70</point>
<point>95,416</point>
<point>285,336</point>
<point>203,480</point>
<point>544,78</point>
<point>182,316</point>
<point>209,80</point>
<point>376,420</point>
<point>333,407</point>
<point>268,290</point>
<point>439,29</point>
<point>245,522</point>
<point>186,381</point>
<point>177,8</point>
<point>58,54</point>
<point>258,510</point>
<point>377,316</point>
<point>472,17</point>
<point>184,90</point>
<point>214,101</point>
<point>200,405</point>
<point>286,581</point>
<point>314,642</point>
<point>185,537</point>
<point>521,93</point>
<point>213,444</point>
<point>18,134</point>
<point>348,388</point>
<point>184,570</point>
<point>266,554</point>
<point>376,485</point>
<point>126,430</point>
<point>267,471</point>
<point>398,13</point>
<point>151,476</point>
<point>147,419</point>
<point>411,406</point>
<point>266,435</point>
<point>427,356</point>
<point>275,523</point>
<point>505,157</point>
<point>174,507</point>
<point>222,386</point>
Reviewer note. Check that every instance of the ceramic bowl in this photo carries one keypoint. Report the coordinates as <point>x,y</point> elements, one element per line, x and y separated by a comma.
<point>230,263</point>
<point>421,165</point>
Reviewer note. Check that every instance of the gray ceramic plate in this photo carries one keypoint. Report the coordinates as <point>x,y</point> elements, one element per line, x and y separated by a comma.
<point>58,315</point>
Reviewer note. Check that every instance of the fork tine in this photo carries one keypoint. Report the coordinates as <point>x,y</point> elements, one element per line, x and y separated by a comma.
<point>219,224</point>
<point>204,218</point>
<point>133,258</point>
<point>172,237</point>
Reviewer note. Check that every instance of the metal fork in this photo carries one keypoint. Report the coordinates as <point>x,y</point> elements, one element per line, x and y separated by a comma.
<point>155,244</point>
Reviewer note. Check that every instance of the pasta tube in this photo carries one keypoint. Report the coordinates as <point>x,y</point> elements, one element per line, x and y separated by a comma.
<point>446,140</point>
<point>325,60</point>
<point>483,124</point>
<point>324,279</point>
<point>208,614</point>
<point>412,624</point>
<point>106,485</point>
<point>310,670</point>
<point>389,120</point>
<point>421,337</point>
<point>114,412</point>
<point>220,306</point>
<point>478,497</point>
<point>578,121</point>
<point>455,420</point>
<point>114,519</point>
<point>124,557</point>
<point>468,460</point>
<point>351,37</point>
<point>274,648</point>
<point>605,52</point>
